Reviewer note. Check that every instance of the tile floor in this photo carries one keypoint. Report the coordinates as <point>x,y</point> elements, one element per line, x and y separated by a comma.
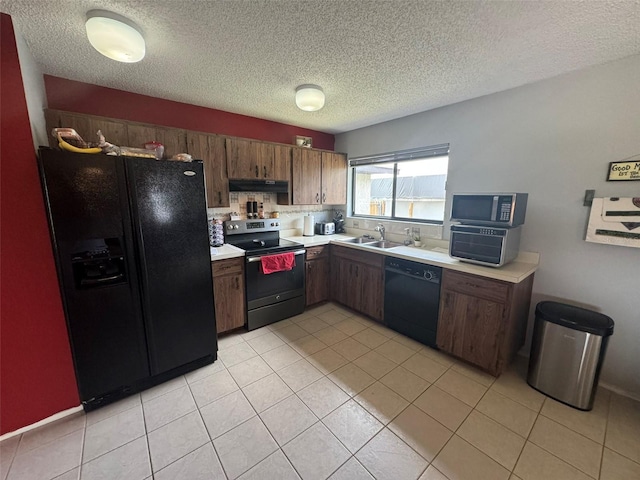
<point>329,394</point>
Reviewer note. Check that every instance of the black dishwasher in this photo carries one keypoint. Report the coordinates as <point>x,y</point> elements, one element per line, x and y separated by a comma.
<point>412,299</point>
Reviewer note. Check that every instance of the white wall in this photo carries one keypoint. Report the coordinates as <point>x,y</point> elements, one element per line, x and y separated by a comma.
<point>553,140</point>
<point>34,91</point>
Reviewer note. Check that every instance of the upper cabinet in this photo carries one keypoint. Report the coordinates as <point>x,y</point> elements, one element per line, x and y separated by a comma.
<point>173,139</point>
<point>319,177</point>
<point>118,133</point>
<point>334,178</point>
<point>87,127</point>
<point>211,150</point>
<point>306,176</point>
<point>255,160</point>
<point>314,177</point>
<point>242,159</point>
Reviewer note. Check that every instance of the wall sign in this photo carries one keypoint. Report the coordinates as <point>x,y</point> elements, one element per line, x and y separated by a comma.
<point>624,171</point>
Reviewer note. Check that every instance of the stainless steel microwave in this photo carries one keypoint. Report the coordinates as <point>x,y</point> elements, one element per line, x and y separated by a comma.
<point>490,246</point>
<point>492,209</point>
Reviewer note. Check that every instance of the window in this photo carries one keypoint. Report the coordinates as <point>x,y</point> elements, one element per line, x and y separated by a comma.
<point>404,185</point>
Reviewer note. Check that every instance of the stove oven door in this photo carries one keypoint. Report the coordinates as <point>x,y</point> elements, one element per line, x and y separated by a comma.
<point>264,290</point>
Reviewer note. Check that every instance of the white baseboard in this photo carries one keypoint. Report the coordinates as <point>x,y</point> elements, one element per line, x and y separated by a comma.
<point>608,386</point>
<point>45,421</point>
<point>619,391</point>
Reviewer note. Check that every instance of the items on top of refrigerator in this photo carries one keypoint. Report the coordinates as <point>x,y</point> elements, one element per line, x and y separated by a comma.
<point>156,147</point>
<point>182,157</point>
<point>70,140</point>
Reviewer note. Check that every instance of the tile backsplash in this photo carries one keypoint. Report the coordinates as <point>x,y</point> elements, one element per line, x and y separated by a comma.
<point>395,229</point>
<point>291,216</point>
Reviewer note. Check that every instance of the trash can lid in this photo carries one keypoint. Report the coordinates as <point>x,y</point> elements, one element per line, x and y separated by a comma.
<point>575,317</point>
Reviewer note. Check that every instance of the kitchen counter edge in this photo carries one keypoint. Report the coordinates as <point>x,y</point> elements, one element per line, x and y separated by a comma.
<point>513,272</point>
<point>225,251</point>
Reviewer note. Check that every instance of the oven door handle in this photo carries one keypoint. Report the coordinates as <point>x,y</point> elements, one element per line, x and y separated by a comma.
<point>257,259</point>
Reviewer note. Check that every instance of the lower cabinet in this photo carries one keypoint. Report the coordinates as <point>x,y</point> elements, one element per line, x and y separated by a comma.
<point>357,280</point>
<point>482,320</point>
<point>228,293</point>
<point>317,267</point>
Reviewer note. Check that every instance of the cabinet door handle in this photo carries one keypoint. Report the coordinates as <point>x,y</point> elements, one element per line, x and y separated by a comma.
<point>317,198</point>
<point>257,173</point>
<point>220,198</point>
<point>324,197</point>
<point>265,171</point>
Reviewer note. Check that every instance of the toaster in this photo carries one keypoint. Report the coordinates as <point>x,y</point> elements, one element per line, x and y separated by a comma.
<point>325,228</point>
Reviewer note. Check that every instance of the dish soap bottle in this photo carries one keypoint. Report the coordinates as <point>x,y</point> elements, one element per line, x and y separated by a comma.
<point>408,240</point>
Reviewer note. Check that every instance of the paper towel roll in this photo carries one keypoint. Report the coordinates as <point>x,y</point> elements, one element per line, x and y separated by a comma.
<point>309,224</point>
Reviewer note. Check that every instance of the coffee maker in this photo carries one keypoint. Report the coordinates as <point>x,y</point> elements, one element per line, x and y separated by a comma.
<point>338,220</point>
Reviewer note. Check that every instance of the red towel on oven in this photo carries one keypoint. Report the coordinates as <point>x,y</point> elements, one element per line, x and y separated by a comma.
<point>281,262</point>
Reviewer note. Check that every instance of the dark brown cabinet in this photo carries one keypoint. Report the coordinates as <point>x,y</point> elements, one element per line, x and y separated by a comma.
<point>317,268</point>
<point>306,176</point>
<point>315,177</point>
<point>228,293</point>
<point>87,126</point>
<point>357,280</point>
<point>482,320</point>
<point>319,177</point>
<point>173,139</point>
<point>242,160</point>
<point>334,178</point>
<point>211,150</point>
<point>255,160</point>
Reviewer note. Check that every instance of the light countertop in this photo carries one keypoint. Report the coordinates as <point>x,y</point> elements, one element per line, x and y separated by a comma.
<point>225,251</point>
<point>516,271</point>
<point>524,265</point>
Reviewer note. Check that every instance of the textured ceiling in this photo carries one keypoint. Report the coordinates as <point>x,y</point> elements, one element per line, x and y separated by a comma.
<point>376,60</point>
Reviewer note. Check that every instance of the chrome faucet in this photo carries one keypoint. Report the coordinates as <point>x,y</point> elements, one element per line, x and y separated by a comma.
<point>380,228</point>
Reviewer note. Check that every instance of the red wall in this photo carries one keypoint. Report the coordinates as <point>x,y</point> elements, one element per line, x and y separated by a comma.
<point>36,370</point>
<point>72,96</point>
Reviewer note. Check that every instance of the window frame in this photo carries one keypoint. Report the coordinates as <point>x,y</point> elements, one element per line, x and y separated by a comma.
<point>440,150</point>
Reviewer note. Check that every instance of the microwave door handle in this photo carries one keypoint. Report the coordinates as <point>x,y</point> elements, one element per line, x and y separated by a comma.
<point>494,208</point>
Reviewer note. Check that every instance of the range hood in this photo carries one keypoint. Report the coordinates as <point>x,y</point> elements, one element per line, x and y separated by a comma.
<point>273,186</point>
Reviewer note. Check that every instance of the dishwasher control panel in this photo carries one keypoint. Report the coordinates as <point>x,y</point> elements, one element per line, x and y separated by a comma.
<point>414,269</point>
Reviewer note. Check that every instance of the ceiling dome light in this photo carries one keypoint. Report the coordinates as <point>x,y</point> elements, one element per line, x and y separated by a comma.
<point>309,98</point>
<point>115,36</point>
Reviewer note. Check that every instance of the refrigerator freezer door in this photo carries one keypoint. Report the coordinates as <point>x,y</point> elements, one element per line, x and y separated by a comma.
<point>86,202</point>
<point>170,222</point>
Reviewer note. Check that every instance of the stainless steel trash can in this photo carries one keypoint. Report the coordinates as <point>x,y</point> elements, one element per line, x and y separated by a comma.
<point>567,351</point>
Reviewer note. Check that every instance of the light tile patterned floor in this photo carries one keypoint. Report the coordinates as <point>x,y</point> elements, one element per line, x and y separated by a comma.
<point>329,394</point>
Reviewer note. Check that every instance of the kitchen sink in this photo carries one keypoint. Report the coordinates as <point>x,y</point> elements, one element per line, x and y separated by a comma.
<point>385,244</point>
<point>361,240</point>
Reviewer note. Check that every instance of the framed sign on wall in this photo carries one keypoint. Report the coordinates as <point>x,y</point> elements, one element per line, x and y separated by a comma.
<point>624,171</point>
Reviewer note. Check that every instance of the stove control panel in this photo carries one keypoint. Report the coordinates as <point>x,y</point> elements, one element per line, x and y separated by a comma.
<point>236,227</point>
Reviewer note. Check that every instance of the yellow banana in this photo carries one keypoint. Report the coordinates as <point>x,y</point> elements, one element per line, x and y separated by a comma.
<point>67,146</point>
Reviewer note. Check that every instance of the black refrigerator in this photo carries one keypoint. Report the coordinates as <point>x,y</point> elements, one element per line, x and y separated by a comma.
<point>131,244</point>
